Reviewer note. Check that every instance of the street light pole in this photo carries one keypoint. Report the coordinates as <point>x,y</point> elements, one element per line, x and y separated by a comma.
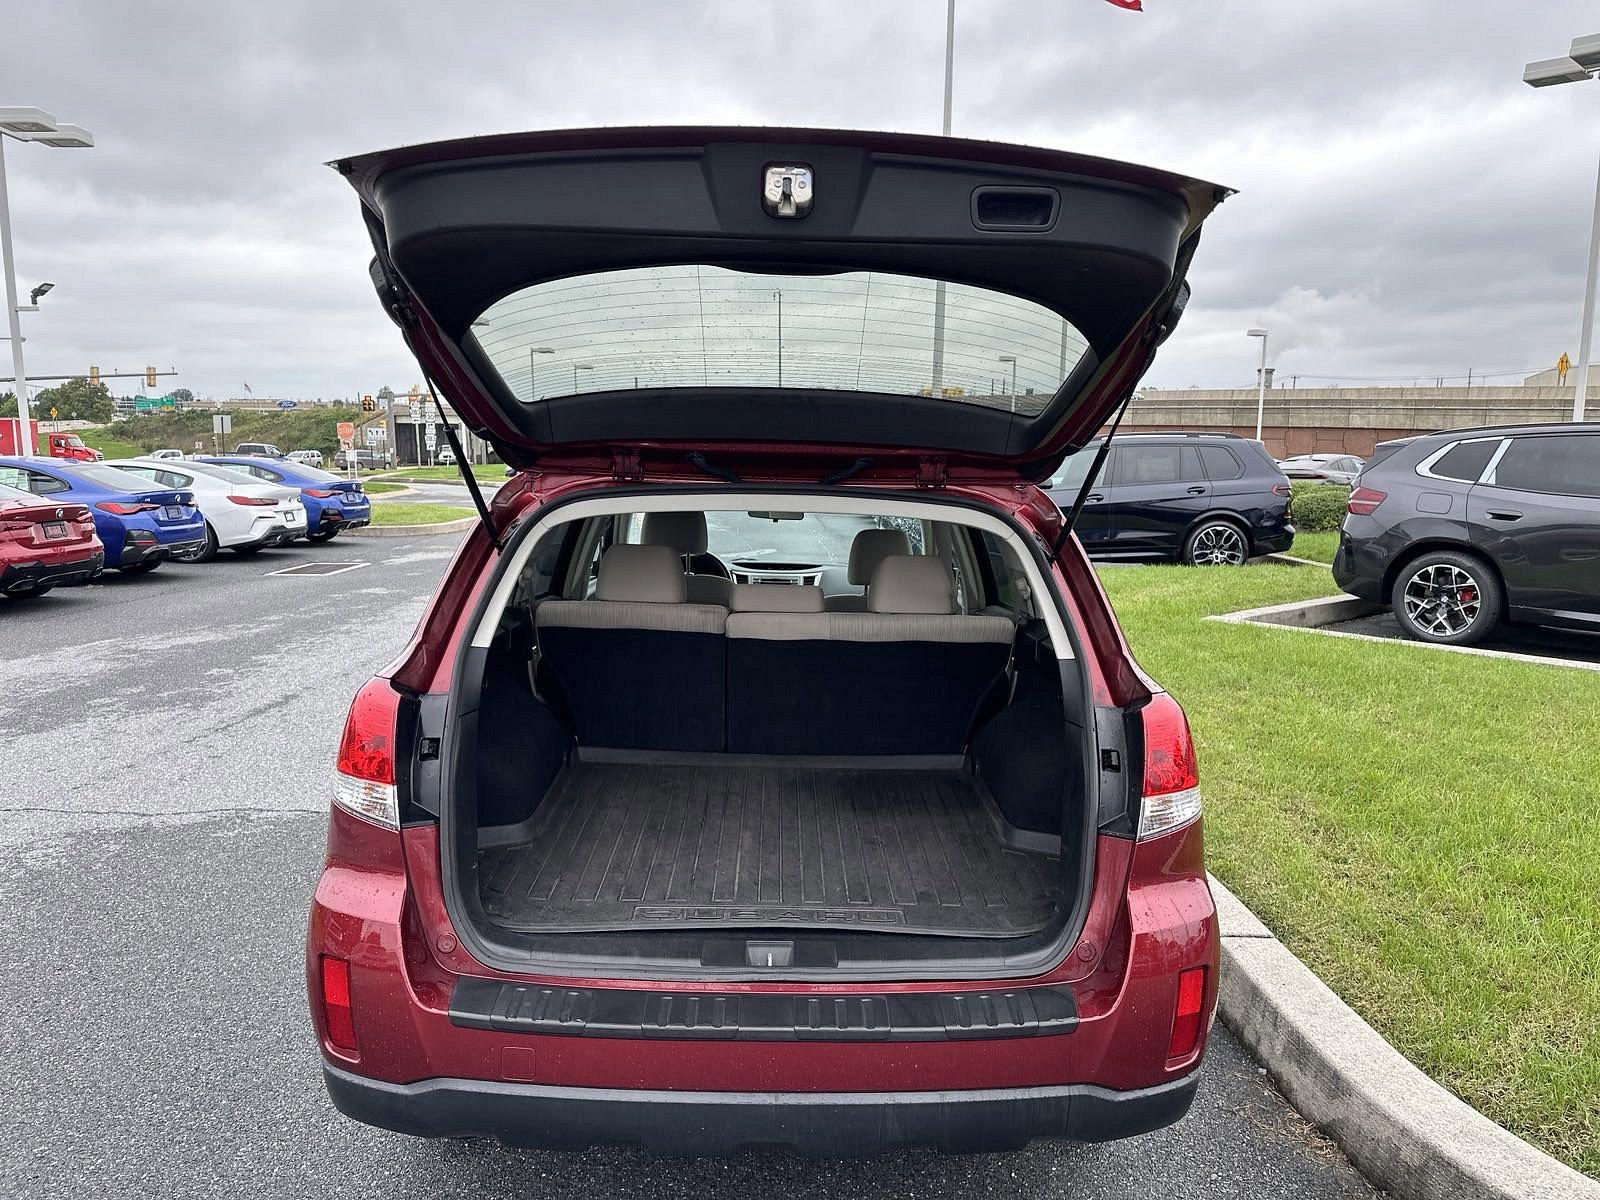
<point>939,287</point>
<point>1261,380</point>
<point>13,317</point>
<point>1580,393</point>
<point>26,125</point>
<point>1579,65</point>
<point>1012,359</point>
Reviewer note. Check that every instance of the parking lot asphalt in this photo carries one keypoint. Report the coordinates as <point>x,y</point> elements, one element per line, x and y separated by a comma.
<point>1520,639</point>
<point>169,743</point>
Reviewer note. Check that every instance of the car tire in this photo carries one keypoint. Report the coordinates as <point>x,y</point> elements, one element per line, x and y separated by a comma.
<point>1447,598</point>
<point>245,551</point>
<point>143,568</point>
<point>208,548</point>
<point>322,536</point>
<point>1216,542</point>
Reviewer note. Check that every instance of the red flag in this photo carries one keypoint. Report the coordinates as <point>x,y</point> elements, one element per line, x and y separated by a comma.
<point>1131,5</point>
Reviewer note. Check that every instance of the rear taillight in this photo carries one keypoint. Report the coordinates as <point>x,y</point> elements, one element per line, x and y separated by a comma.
<point>1171,778</point>
<point>1364,501</point>
<point>1186,1020</point>
<point>363,783</point>
<point>253,501</point>
<point>1282,489</point>
<point>125,510</point>
<point>337,1016</point>
<point>321,493</point>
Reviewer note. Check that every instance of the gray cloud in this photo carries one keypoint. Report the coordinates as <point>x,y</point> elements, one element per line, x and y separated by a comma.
<point>1407,206</point>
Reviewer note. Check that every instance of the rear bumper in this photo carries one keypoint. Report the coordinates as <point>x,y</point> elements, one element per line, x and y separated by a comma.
<point>821,1124</point>
<point>27,577</point>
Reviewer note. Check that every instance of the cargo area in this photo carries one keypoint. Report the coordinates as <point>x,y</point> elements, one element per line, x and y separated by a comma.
<point>851,733</point>
<point>668,845</point>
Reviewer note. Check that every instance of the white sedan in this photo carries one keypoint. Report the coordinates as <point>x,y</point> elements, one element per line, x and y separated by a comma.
<point>242,513</point>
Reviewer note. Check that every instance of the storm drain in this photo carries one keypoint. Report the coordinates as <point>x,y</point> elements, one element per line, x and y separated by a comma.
<point>319,568</point>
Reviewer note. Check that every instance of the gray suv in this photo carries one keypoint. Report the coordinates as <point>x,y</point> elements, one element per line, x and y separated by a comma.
<point>1459,531</point>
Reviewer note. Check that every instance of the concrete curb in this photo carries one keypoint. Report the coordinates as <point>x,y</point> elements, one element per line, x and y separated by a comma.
<point>1404,1132</point>
<point>1298,562</point>
<point>397,531</point>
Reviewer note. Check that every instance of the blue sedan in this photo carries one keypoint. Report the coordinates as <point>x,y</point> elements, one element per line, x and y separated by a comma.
<point>141,526</point>
<point>333,503</point>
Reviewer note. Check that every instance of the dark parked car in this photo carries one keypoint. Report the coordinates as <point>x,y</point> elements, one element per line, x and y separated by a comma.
<point>768,768</point>
<point>1199,498</point>
<point>1459,531</point>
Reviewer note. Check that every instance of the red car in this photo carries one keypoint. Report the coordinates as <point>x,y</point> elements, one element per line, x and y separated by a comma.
<point>45,545</point>
<point>769,768</point>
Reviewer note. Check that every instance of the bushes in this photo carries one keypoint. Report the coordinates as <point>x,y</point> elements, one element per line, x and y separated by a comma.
<point>308,428</point>
<point>1318,507</point>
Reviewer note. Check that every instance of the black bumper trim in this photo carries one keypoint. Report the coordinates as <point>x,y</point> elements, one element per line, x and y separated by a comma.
<point>762,1016</point>
<point>33,576</point>
<point>820,1124</point>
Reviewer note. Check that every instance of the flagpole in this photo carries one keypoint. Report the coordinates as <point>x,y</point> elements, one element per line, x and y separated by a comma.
<point>938,287</point>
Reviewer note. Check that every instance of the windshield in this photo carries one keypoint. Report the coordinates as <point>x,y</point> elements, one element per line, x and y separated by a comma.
<point>11,495</point>
<point>705,326</point>
<point>790,538</point>
<point>112,477</point>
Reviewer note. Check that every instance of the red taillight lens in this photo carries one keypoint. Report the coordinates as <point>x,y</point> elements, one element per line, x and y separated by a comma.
<point>336,1013</point>
<point>1282,489</point>
<point>363,783</point>
<point>1186,1022</point>
<point>253,501</point>
<point>1364,501</point>
<point>321,493</point>
<point>125,510</point>
<point>1171,776</point>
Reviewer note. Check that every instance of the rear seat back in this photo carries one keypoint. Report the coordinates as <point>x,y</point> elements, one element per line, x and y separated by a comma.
<point>637,666</point>
<point>906,677</point>
<point>687,535</point>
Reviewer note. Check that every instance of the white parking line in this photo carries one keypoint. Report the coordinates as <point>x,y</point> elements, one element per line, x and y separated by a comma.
<point>320,568</point>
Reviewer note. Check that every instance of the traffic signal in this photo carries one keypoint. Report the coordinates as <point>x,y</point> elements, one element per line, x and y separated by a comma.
<point>149,377</point>
<point>368,405</point>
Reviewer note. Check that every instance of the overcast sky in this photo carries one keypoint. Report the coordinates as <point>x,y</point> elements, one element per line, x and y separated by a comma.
<point>1407,206</point>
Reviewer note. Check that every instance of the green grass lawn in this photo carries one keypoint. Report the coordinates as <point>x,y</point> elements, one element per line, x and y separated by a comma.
<point>1318,546</point>
<point>1420,827</point>
<point>489,473</point>
<point>106,442</point>
<point>380,489</point>
<point>398,512</point>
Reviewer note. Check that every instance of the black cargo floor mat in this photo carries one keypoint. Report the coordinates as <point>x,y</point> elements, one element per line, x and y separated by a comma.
<point>675,847</point>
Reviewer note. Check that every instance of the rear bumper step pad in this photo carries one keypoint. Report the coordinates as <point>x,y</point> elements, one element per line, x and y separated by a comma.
<point>762,1016</point>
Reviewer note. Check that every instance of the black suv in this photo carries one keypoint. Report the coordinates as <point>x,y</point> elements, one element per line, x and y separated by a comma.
<point>1458,531</point>
<point>1199,498</point>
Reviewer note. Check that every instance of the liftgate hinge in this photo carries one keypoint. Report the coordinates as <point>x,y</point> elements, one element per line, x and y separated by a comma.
<point>931,473</point>
<point>625,466</point>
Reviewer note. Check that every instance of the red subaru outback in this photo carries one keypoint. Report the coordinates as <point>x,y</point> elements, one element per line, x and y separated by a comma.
<point>769,769</point>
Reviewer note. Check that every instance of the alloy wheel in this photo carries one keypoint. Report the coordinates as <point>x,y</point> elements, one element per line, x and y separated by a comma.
<point>1218,545</point>
<point>1442,599</point>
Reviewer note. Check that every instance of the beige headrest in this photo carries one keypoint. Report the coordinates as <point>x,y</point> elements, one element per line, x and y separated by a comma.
<point>871,547</point>
<point>648,574</point>
<point>912,583</point>
<point>776,597</point>
<point>685,532</point>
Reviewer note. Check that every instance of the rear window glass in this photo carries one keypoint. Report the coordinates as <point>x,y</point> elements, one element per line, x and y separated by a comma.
<point>1157,464</point>
<point>1568,465</point>
<point>704,326</point>
<point>1221,463</point>
<point>1466,460</point>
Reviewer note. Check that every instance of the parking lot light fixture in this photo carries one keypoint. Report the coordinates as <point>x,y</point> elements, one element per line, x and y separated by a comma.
<point>1261,380</point>
<point>26,124</point>
<point>533,392</point>
<point>1012,359</point>
<point>576,367</point>
<point>1581,63</point>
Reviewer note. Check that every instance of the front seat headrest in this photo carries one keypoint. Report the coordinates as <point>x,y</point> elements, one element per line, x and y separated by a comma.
<point>871,547</point>
<point>684,532</point>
